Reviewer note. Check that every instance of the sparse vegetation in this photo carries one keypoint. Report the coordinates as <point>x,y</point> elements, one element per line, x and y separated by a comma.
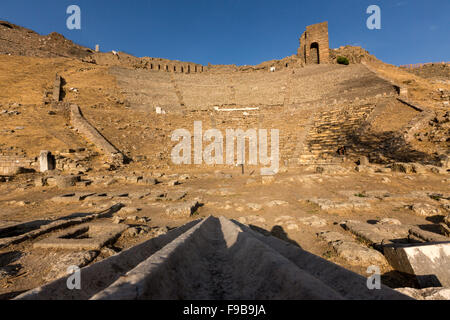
<point>361,195</point>
<point>343,60</point>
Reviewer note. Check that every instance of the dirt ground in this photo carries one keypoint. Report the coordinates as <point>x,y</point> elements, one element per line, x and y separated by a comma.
<point>228,195</point>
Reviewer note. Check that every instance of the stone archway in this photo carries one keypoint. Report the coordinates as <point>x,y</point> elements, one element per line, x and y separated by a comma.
<point>314,53</point>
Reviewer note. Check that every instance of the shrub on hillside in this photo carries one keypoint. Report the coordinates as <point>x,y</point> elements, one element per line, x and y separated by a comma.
<point>343,60</point>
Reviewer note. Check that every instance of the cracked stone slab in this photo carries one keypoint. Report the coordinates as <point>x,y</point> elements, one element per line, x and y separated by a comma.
<point>92,236</point>
<point>61,223</point>
<point>185,209</point>
<point>377,234</point>
<point>354,253</point>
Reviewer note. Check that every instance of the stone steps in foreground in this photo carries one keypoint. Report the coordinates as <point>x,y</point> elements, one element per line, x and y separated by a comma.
<point>214,258</point>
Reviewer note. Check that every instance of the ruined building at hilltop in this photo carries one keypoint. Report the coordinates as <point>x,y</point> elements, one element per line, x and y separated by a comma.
<point>314,44</point>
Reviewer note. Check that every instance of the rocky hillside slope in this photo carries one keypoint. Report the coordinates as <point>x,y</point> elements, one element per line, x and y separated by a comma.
<point>19,41</point>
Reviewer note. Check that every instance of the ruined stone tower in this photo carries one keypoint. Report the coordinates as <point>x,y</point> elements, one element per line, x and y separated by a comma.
<point>314,44</point>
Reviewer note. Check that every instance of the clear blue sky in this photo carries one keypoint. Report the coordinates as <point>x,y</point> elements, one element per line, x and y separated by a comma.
<point>242,31</point>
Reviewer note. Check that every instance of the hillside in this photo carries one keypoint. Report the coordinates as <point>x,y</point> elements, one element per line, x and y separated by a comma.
<point>363,162</point>
<point>16,40</point>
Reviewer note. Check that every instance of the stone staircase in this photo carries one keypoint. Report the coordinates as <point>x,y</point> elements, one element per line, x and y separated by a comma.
<point>214,258</point>
<point>333,129</point>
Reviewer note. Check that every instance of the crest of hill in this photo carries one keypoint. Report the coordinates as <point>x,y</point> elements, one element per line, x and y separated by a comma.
<point>20,41</point>
<point>353,54</point>
<point>436,71</point>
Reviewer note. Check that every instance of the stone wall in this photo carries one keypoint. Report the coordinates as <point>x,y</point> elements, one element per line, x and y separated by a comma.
<point>152,64</point>
<point>57,88</point>
<point>314,44</point>
<point>13,164</point>
<point>156,64</point>
<point>311,85</point>
<point>91,134</point>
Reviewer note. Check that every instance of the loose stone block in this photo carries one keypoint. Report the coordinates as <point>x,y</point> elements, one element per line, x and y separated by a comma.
<point>378,234</point>
<point>92,236</point>
<point>268,179</point>
<point>66,181</point>
<point>426,236</point>
<point>357,254</point>
<point>46,161</point>
<point>402,167</point>
<point>183,210</point>
<point>252,220</point>
<point>445,229</point>
<point>149,181</point>
<point>254,206</point>
<point>425,209</point>
<point>173,183</point>
<point>175,195</point>
<point>313,221</point>
<point>428,262</point>
<point>364,161</point>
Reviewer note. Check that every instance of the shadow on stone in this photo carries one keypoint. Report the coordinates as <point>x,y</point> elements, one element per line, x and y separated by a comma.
<point>390,147</point>
<point>9,257</point>
<point>278,232</point>
<point>397,279</point>
<point>431,228</point>
<point>435,219</point>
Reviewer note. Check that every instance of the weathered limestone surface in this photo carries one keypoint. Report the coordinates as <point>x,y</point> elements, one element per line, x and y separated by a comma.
<point>445,229</point>
<point>35,229</point>
<point>314,44</point>
<point>185,209</point>
<point>427,293</point>
<point>57,88</point>
<point>378,234</point>
<point>46,161</point>
<point>355,253</point>
<point>427,236</point>
<point>11,164</point>
<point>97,236</point>
<point>214,259</point>
<point>429,262</point>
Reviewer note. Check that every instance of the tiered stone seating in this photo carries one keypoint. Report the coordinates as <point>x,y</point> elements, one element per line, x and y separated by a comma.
<point>147,89</point>
<point>333,129</point>
<point>243,89</point>
<point>316,108</point>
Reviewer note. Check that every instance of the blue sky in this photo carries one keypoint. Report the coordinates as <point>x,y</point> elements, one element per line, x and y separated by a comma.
<point>242,31</point>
